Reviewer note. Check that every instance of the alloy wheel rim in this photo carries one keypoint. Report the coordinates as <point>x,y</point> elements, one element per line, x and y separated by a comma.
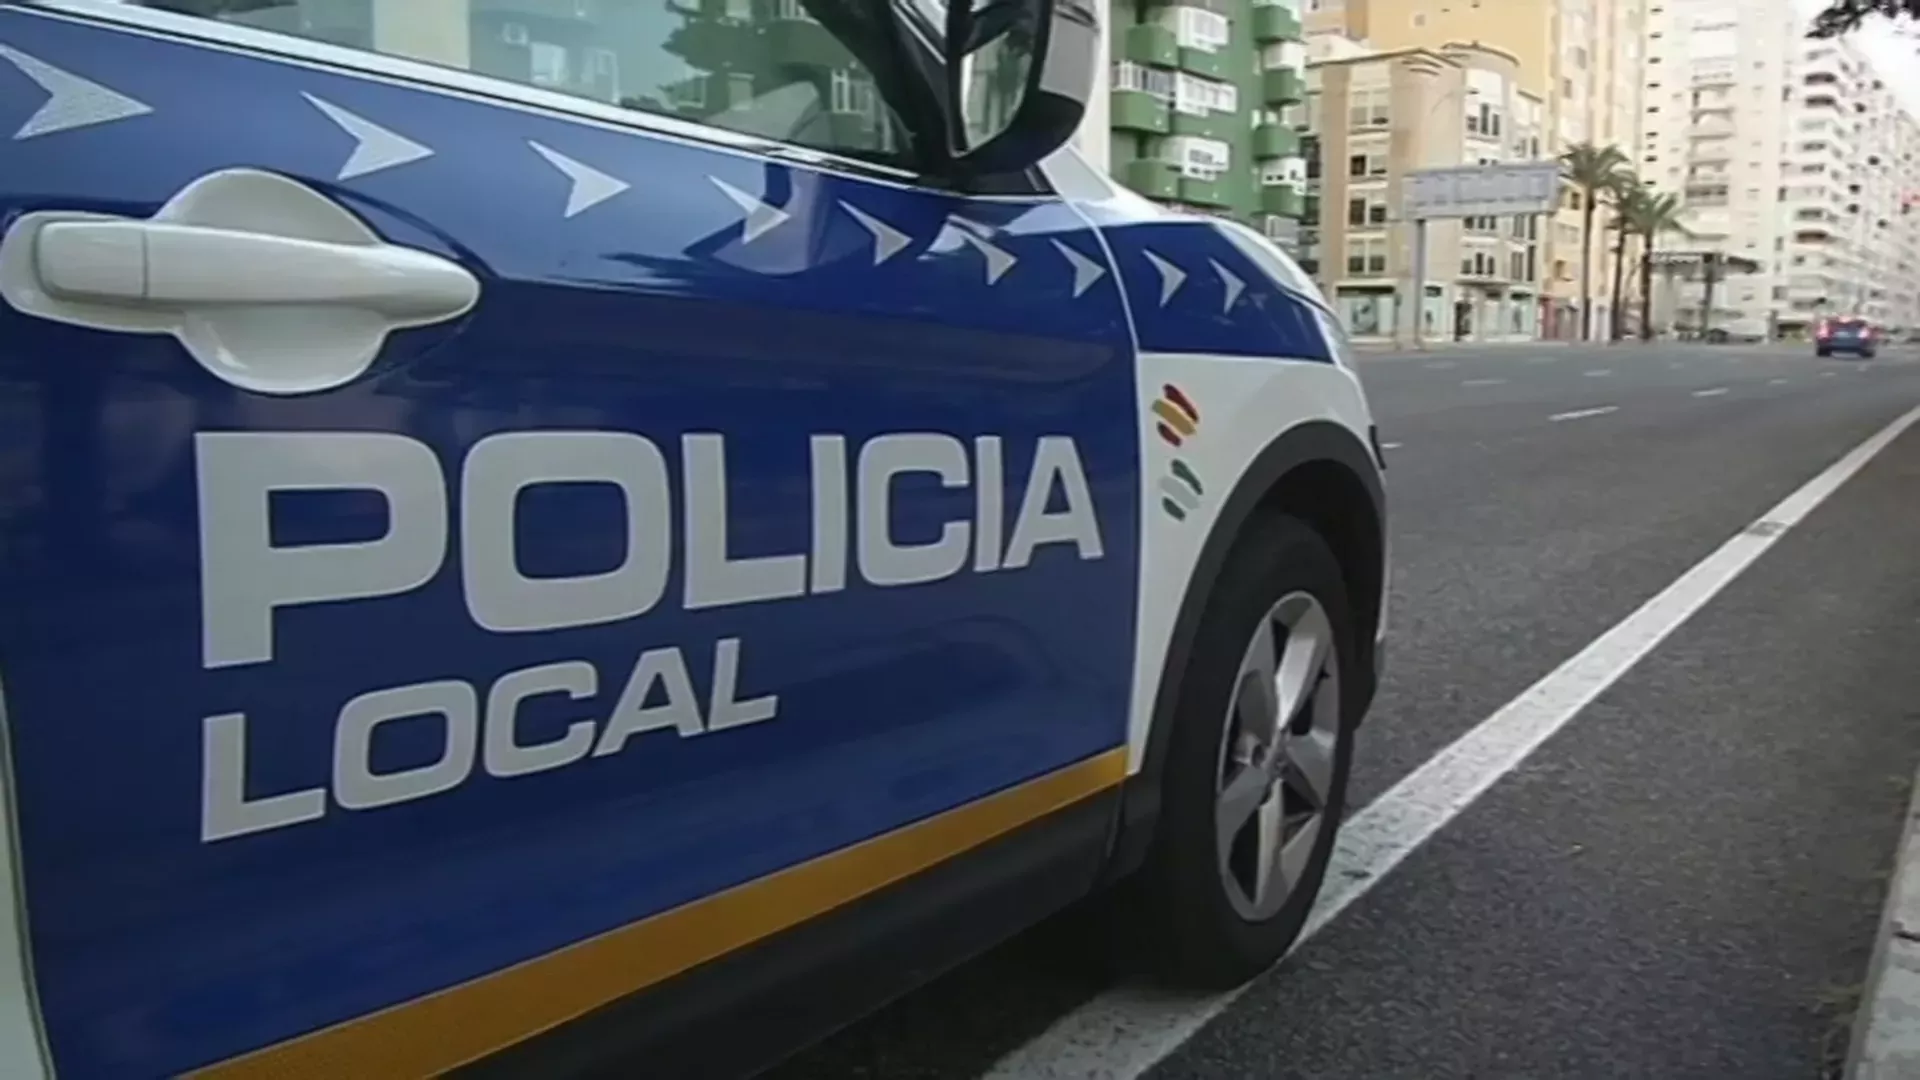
<point>1275,773</point>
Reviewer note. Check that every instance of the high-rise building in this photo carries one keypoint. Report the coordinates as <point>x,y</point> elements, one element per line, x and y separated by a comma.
<point>1371,118</point>
<point>1789,152</point>
<point>1192,109</point>
<point>1582,60</point>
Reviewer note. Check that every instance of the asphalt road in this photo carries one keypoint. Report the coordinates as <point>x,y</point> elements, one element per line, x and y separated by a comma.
<point>1682,882</point>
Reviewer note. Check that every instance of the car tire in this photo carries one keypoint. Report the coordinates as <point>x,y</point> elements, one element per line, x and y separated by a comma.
<point>1823,353</point>
<point>1195,912</point>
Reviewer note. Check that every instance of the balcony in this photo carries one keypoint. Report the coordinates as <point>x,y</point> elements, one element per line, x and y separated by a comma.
<point>1275,141</point>
<point>1154,179</point>
<point>1135,110</point>
<point>1282,200</point>
<point>1203,192</point>
<point>1150,44</point>
<point>1202,62</point>
<point>1205,125</point>
<point>1273,23</point>
<point>1282,86</point>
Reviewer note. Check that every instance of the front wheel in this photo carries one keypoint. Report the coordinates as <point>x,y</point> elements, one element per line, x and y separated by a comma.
<point>1256,770</point>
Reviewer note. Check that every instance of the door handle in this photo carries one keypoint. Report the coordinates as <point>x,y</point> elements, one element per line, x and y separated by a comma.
<point>269,285</point>
<point>173,266</point>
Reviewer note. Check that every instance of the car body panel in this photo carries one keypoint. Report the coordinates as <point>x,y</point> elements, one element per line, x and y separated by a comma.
<point>733,310</point>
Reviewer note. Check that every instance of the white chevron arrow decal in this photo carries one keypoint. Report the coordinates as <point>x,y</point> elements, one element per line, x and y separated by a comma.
<point>591,187</point>
<point>760,217</point>
<point>374,147</point>
<point>1085,270</point>
<point>1233,283</point>
<point>1171,276</point>
<point>887,240</point>
<point>72,102</point>
<point>999,260</point>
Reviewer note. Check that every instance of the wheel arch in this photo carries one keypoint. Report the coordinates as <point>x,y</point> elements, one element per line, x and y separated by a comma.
<point>1323,473</point>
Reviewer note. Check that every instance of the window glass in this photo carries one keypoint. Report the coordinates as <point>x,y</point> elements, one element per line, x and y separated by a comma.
<point>759,67</point>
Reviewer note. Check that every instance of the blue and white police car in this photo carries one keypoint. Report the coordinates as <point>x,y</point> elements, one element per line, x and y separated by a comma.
<point>531,530</point>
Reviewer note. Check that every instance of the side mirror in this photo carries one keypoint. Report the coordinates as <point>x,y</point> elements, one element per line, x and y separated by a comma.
<point>1019,74</point>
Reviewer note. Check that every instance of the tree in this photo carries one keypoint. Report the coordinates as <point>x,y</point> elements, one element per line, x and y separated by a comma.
<point>1843,16</point>
<point>1623,193</point>
<point>1649,215</point>
<point>1592,169</point>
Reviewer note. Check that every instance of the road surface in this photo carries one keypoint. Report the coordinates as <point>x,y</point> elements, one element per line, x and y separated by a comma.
<point>1684,880</point>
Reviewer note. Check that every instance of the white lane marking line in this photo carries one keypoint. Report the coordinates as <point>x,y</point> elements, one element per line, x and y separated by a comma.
<point>1481,382</point>
<point>1776,382</point>
<point>1826,374</point>
<point>1390,446</point>
<point>1124,1032</point>
<point>1715,392</point>
<point>1582,414</point>
<point>1598,373</point>
<point>1441,365</point>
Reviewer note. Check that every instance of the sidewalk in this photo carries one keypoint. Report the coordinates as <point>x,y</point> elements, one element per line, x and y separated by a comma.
<point>1886,1029</point>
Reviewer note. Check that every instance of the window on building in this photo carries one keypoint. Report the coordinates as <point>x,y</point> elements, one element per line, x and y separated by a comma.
<point>1366,256</point>
<point>1368,108</point>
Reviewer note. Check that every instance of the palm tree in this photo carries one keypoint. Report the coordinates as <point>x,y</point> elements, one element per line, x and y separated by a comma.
<point>1625,191</point>
<point>1650,215</point>
<point>1592,169</point>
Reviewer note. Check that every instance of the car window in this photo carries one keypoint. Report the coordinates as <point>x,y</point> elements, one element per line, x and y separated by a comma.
<point>759,67</point>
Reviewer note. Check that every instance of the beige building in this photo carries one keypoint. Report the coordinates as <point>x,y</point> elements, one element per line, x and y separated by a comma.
<point>1371,117</point>
<point>1581,60</point>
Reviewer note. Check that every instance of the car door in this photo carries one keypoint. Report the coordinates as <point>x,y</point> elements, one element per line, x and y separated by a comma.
<point>393,671</point>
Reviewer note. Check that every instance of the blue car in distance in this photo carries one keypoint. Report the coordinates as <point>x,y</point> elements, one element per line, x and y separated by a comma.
<point>1855,336</point>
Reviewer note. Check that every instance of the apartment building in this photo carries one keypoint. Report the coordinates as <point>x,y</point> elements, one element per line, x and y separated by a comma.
<point>1370,118</point>
<point>1583,60</point>
<point>1789,152</point>
<point>1191,113</point>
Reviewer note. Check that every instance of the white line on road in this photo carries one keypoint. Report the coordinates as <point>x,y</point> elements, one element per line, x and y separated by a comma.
<point>1582,414</point>
<point>1599,373</point>
<point>1776,382</point>
<point>1715,392</point>
<point>1481,382</point>
<point>1124,1032</point>
<point>1826,374</point>
<point>1390,446</point>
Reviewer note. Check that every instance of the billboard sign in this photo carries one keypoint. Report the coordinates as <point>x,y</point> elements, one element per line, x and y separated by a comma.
<point>1521,187</point>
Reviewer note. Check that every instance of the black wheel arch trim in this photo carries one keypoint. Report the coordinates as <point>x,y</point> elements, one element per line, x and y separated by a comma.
<point>1314,442</point>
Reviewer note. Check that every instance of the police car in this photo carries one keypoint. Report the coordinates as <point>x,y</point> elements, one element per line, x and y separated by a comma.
<point>539,535</point>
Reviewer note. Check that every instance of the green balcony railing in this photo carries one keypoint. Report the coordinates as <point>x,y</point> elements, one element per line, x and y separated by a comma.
<point>1201,62</point>
<point>1207,125</point>
<point>1284,200</point>
<point>1154,179</point>
<point>1152,44</point>
<point>1203,192</point>
<point>1282,86</point>
<point>1134,110</point>
<point>1272,23</point>
<point>1275,141</point>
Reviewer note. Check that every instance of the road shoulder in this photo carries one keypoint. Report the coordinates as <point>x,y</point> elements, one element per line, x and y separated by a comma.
<point>1886,1030</point>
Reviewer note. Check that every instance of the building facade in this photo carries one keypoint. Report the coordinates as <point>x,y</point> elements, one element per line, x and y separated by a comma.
<point>1583,61</point>
<point>1191,113</point>
<point>1789,152</point>
<point>1372,117</point>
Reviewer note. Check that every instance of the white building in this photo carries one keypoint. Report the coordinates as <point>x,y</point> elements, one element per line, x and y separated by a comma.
<point>1786,151</point>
